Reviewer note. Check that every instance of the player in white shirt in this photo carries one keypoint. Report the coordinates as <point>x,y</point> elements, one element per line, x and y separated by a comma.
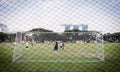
<point>62,45</point>
<point>27,44</point>
<point>14,43</point>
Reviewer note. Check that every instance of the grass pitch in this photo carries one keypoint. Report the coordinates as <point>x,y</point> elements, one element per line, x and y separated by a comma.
<point>111,63</point>
<point>45,53</point>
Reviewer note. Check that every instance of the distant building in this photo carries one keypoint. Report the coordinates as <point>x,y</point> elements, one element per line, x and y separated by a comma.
<point>76,27</point>
<point>85,27</point>
<point>68,27</point>
<point>3,28</point>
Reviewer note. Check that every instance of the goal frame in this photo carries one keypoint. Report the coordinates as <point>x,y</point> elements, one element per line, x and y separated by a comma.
<point>99,54</point>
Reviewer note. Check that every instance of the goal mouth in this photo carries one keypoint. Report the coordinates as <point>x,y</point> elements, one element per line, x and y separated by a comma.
<point>58,47</point>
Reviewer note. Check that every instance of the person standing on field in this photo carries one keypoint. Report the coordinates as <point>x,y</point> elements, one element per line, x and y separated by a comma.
<point>56,47</point>
<point>27,44</point>
<point>14,43</point>
<point>62,45</point>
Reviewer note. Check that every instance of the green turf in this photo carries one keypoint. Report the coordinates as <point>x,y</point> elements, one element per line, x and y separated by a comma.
<point>111,63</point>
<point>45,53</point>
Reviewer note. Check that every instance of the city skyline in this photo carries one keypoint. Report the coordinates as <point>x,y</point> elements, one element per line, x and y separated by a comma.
<point>83,27</point>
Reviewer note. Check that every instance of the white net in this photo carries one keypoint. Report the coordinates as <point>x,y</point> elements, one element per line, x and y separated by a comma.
<point>17,46</point>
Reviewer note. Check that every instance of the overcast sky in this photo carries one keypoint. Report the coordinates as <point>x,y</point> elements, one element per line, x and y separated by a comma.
<point>23,15</point>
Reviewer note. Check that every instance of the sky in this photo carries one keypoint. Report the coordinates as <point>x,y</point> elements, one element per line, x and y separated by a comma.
<point>24,15</point>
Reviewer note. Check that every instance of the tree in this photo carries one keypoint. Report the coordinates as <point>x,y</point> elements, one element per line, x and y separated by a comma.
<point>40,30</point>
<point>73,30</point>
<point>3,37</point>
<point>114,37</point>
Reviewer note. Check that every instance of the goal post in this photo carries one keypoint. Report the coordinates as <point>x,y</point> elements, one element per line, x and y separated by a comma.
<point>99,47</point>
<point>18,47</point>
<point>78,47</point>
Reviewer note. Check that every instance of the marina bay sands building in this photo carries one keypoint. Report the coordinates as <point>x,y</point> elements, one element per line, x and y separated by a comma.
<point>83,27</point>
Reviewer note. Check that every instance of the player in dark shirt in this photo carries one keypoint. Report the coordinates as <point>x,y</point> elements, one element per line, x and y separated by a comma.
<point>56,47</point>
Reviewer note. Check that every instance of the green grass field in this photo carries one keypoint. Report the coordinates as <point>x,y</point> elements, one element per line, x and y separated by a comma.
<point>42,52</point>
<point>111,63</point>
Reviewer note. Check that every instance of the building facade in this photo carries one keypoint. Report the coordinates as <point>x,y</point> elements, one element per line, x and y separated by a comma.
<point>67,27</point>
<point>85,27</point>
<point>76,27</point>
<point>70,27</point>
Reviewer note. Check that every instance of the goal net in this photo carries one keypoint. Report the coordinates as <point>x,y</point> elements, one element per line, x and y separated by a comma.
<point>17,47</point>
<point>59,47</point>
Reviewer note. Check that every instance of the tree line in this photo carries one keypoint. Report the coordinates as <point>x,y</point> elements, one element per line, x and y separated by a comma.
<point>65,36</point>
<point>114,37</point>
<point>5,37</point>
